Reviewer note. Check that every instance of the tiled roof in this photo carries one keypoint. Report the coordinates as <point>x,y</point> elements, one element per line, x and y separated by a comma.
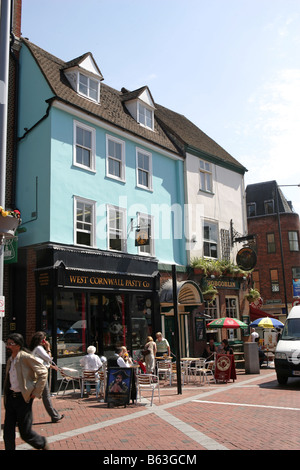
<point>192,136</point>
<point>172,131</point>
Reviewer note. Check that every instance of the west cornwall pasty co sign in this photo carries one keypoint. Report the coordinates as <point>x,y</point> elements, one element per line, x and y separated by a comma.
<point>100,280</point>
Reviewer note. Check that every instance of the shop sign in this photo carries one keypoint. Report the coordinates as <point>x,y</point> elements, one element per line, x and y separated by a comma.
<point>246,258</point>
<point>225,368</point>
<point>142,237</point>
<point>223,283</point>
<point>296,287</point>
<point>107,281</point>
<point>2,306</point>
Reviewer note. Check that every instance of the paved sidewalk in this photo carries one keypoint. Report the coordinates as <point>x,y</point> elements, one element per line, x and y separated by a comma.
<point>207,417</point>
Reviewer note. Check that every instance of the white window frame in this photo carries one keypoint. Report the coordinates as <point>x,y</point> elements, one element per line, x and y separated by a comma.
<point>88,95</point>
<point>211,241</point>
<point>92,224</point>
<point>251,209</point>
<point>147,250</point>
<point>76,125</point>
<point>149,155</point>
<point>122,230</point>
<point>111,157</point>
<point>232,311</point>
<point>293,240</point>
<point>205,176</point>
<point>142,117</point>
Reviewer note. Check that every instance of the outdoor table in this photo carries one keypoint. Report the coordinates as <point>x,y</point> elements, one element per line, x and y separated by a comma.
<point>187,361</point>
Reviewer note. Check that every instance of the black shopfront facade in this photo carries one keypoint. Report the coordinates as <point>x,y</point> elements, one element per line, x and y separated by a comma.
<point>87,297</point>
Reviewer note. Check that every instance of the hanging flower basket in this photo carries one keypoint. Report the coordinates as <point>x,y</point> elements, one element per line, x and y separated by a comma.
<point>9,221</point>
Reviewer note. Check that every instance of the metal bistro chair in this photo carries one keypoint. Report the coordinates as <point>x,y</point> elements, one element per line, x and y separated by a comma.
<point>147,382</point>
<point>67,378</point>
<point>208,371</point>
<point>164,369</point>
<point>90,377</point>
<point>196,368</point>
<point>174,372</point>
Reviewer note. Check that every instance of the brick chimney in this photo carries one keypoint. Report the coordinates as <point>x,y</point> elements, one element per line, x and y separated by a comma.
<point>16,17</point>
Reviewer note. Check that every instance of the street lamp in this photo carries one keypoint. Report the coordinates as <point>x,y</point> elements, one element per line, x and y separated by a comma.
<point>280,239</point>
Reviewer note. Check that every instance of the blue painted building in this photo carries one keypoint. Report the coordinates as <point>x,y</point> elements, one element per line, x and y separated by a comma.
<point>100,186</point>
<point>107,184</point>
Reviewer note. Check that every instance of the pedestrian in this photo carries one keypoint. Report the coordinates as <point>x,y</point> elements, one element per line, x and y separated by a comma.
<point>150,356</point>
<point>253,335</point>
<point>91,362</point>
<point>41,350</point>
<point>25,379</point>
<point>162,346</point>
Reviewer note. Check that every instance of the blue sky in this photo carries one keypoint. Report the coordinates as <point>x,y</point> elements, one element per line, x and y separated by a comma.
<point>230,66</point>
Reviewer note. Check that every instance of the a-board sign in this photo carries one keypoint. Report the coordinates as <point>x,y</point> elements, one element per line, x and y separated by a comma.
<point>118,386</point>
<point>225,367</point>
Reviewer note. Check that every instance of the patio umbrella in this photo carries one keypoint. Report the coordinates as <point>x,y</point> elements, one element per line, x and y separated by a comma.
<point>227,322</point>
<point>267,322</point>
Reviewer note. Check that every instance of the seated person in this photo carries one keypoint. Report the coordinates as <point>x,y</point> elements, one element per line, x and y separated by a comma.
<point>210,349</point>
<point>224,348</point>
<point>91,362</point>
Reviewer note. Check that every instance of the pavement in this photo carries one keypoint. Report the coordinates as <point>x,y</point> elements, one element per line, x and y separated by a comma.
<point>247,414</point>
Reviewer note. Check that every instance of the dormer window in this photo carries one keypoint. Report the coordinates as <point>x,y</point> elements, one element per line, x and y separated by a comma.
<point>145,115</point>
<point>84,76</point>
<point>88,87</point>
<point>140,105</point>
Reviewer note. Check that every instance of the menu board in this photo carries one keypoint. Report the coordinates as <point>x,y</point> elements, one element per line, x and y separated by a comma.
<point>225,368</point>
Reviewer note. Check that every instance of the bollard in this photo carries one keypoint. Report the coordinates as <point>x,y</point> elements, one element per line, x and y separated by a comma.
<point>251,358</point>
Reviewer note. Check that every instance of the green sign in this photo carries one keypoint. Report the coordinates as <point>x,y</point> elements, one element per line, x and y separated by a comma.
<point>10,251</point>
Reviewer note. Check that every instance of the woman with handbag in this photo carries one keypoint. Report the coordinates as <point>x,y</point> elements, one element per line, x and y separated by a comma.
<point>149,355</point>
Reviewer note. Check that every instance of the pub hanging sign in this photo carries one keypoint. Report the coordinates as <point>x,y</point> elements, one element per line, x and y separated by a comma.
<point>142,237</point>
<point>246,258</point>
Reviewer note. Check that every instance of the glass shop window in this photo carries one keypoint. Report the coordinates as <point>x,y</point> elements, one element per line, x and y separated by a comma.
<point>141,323</point>
<point>113,323</point>
<point>46,318</point>
<point>71,328</point>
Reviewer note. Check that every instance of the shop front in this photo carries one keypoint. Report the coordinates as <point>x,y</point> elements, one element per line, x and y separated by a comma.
<point>190,317</point>
<point>100,299</point>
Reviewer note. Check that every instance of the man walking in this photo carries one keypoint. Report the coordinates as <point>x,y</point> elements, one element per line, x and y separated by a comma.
<point>25,379</point>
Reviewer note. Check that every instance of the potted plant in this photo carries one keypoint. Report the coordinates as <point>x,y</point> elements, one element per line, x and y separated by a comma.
<point>210,293</point>
<point>9,221</point>
<point>253,295</point>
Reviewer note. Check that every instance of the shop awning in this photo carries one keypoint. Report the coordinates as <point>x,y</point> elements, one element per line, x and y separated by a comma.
<point>188,293</point>
<point>258,313</point>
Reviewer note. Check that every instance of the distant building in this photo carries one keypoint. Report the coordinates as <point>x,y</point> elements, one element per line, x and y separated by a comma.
<point>269,275</point>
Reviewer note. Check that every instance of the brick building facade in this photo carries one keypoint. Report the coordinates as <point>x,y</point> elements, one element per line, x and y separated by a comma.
<point>278,255</point>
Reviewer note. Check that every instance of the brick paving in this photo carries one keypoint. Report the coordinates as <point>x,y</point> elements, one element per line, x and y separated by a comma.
<point>252,413</point>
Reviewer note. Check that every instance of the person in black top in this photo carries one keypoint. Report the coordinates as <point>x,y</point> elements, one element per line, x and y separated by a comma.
<point>226,349</point>
<point>210,349</point>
